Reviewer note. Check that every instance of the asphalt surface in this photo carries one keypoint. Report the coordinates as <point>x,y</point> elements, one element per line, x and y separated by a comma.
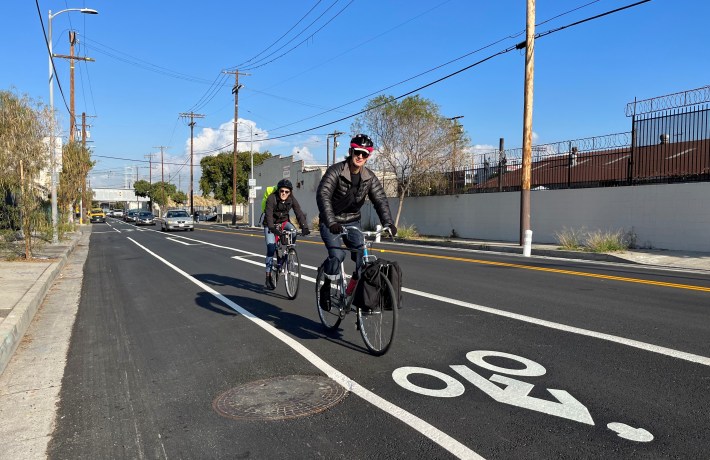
<point>166,324</point>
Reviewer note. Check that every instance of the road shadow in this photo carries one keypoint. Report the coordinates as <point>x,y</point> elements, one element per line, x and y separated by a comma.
<point>294,323</point>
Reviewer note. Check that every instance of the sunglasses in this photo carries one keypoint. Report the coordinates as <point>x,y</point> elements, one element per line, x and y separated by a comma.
<point>365,155</point>
<point>285,191</point>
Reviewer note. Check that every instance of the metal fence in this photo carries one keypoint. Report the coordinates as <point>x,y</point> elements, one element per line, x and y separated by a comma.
<point>663,147</point>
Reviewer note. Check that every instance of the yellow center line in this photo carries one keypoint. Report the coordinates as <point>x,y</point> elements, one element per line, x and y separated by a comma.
<point>512,265</point>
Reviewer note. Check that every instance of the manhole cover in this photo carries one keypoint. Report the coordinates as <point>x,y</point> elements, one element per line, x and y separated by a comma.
<point>280,398</point>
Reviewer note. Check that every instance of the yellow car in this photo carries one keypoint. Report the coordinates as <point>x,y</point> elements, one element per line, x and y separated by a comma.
<point>97,215</point>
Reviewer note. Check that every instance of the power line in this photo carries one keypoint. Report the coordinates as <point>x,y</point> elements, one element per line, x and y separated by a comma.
<point>282,36</point>
<point>51,58</point>
<point>499,53</point>
<point>426,71</point>
<point>253,66</point>
<point>132,60</point>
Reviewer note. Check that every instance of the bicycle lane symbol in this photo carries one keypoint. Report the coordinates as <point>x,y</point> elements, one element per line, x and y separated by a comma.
<point>515,392</point>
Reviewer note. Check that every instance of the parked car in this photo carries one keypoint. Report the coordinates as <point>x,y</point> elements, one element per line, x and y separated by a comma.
<point>145,218</point>
<point>97,215</point>
<point>130,216</point>
<point>177,220</point>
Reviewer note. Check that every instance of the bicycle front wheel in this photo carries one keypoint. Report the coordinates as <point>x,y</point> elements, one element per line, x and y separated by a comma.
<point>292,274</point>
<point>329,314</point>
<point>378,324</point>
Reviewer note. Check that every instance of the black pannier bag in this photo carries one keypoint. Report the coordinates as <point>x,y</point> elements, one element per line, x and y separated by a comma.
<point>369,290</point>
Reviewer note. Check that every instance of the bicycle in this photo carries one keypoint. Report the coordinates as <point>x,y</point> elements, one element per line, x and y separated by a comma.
<point>286,263</point>
<point>377,323</point>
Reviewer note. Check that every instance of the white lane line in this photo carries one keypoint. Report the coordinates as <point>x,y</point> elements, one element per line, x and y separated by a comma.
<point>111,227</point>
<point>705,361</point>
<point>243,259</point>
<point>181,242</point>
<point>431,432</point>
<point>575,330</point>
<point>540,322</point>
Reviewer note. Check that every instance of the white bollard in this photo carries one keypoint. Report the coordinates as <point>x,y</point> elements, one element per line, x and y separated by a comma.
<point>378,228</point>
<point>527,243</point>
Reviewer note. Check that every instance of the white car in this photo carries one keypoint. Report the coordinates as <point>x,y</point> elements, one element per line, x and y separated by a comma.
<point>177,220</point>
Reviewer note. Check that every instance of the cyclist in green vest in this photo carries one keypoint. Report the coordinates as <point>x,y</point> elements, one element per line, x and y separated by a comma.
<point>276,219</point>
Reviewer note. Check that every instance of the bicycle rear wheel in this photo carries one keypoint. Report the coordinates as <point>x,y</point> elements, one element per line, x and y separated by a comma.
<point>292,273</point>
<point>379,324</point>
<point>330,317</point>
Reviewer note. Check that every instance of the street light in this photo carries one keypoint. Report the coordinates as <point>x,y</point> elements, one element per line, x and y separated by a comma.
<point>252,182</point>
<point>52,146</point>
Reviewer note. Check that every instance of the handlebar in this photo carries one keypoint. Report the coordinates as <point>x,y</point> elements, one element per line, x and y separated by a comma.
<point>368,233</point>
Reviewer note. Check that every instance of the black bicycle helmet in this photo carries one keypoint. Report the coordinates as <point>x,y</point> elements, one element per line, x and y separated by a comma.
<point>361,142</point>
<point>284,183</point>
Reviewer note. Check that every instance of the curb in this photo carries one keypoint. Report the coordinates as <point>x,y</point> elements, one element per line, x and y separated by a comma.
<point>14,326</point>
<point>540,252</point>
<point>496,247</point>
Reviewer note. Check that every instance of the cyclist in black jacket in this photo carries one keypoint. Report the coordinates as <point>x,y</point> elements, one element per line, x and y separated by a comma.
<point>278,207</point>
<point>341,193</point>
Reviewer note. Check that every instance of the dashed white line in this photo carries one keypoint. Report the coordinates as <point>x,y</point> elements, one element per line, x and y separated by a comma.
<point>444,440</point>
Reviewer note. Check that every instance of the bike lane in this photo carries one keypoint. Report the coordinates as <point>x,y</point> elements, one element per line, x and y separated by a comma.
<point>506,389</point>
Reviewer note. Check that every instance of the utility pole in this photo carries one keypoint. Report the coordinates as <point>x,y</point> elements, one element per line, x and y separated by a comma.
<point>456,134</point>
<point>83,182</point>
<point>72,58</point>
<point>525,231</point>
<point>85,171</point>
<point>150,179</point>
<point>235,91</point>
<point>192,116</point>
<point>162,172</point>
<point>334,135</point>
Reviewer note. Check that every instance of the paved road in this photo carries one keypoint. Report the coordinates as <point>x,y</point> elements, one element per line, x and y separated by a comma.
<point>497,356</point>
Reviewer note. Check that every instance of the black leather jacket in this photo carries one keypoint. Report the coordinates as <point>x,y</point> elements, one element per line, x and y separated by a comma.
<point>277,211</point>
<point>334,186</point>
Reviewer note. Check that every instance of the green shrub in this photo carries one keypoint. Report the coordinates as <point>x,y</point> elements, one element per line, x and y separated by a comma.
<point>407,232</point>
<point>596,241</point>
<point>606,241</point>
<point>570,238</point>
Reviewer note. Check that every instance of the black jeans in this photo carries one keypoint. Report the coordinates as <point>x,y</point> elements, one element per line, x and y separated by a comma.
<point>353,240</point>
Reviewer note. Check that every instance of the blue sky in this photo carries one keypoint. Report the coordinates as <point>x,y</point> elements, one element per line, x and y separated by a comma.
<point>155,60</point>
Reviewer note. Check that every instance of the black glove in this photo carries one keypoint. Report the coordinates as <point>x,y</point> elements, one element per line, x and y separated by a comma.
<point>305,231</point>
<point>393,229</point>
<point>336,229</point>
<point>276,231</point>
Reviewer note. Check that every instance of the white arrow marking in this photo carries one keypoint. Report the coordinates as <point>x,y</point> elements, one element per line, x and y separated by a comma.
<point>630,433</point>
<point>516,394</point>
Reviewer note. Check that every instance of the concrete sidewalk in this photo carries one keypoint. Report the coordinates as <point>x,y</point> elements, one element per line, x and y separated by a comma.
<point>24,286</point>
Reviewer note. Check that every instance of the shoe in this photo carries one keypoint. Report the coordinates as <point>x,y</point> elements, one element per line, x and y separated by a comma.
<point>351,287</point>
<point>324,296</point>
<point>269,283</point>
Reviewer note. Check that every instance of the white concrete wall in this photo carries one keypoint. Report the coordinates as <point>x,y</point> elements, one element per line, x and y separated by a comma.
<point>663,216</point>
<point>305,183</point>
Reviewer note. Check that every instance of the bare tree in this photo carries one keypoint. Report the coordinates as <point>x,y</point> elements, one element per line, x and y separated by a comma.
<point>411,137</point>
<point>23,154</point>
<point>76,163</point>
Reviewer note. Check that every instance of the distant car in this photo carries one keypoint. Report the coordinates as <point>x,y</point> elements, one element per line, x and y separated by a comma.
<point>117,213</point>
<point>97,215</point>
<point>130,216</point>
<point>177,220</point>
<point>145,218</point>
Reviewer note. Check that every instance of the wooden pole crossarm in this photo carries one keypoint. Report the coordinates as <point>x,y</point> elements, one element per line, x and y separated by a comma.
<point>76,58</point>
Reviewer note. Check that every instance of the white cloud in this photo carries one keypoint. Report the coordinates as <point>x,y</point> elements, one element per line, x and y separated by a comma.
<point>302,153</point>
